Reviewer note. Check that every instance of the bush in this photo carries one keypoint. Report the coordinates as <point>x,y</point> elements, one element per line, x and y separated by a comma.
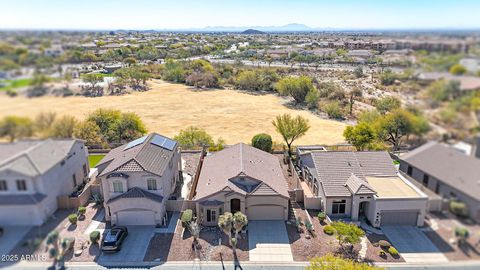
<point>36,92</point>
<point>82,210</point>
<point>461,233</point>
<point>384,244</point>
<point>393,251</point>
<point>458,208</point>
<point>95,236</point>
<point>263,142</point>
<point>11,93</point>
<point>322,216</point>
<point>186,217</point>
<point>382,253</point>
<point>333,110</point>
<point>329,230</point>
<point>73,218</point>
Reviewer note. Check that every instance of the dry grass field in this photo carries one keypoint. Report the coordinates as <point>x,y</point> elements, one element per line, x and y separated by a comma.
<point>167,108</point>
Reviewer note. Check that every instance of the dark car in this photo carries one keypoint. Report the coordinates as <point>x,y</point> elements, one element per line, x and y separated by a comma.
<point>114,239</point>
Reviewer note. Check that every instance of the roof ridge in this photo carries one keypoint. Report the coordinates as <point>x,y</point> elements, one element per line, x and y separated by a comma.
<point>359,165</point>
<point>24,152</point>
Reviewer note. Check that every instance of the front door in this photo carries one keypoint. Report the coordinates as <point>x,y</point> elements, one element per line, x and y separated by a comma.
<point>235,205</point>
<point>211,215</point>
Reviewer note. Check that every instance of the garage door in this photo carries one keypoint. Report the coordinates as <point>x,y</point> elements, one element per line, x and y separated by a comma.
<point>399,218</point>
<point>136,218</point>
<point>265,212</point>
<point>23,216</point>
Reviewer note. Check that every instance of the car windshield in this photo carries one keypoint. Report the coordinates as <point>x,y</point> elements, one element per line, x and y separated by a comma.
<point>111,237</point>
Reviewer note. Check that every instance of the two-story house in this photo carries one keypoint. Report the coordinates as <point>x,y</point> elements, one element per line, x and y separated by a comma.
<point>34,173</point>
<point>137,178</point>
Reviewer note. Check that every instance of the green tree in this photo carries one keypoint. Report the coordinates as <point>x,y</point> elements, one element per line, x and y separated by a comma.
<point>394,126</point>
<point>312,98</point>
<point>43,122</point>
<point>130,61</point>
<point>63,127</point>
<point>174,71</point>
<point>360,136</point>
<point>296,87</point>
<point>458,69</point>
<point>387,104</point>
<point>194,137</point>
<point>93,79</point>
<point>291,128</point>
<point>90,133</point>
<point>330,262</point>
<point>263,142</point>
<point>239,221</point>
<point>358,71</point>
<point>117,127</point>
<point>15,127</point>
<point>347,233</point>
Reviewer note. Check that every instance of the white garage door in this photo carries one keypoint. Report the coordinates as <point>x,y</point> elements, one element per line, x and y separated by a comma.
<point>18,216</point>
<point>136,218</point>
<point>399,218</point>
<point>265,212</point>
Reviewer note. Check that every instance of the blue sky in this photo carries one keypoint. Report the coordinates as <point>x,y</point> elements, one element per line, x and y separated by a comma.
<point>150,14</point>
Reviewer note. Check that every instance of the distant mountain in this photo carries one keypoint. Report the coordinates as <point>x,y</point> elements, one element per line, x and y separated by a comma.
<point>292,27</point>
<point>252,32</point>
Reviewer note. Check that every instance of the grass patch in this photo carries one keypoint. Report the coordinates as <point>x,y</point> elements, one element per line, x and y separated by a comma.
<point>93,160</point>
<point>12,84</point>
<point>396,162</point>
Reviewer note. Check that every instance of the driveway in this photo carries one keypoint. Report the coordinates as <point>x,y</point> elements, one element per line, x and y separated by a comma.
<point>12,235</point>
<point>133,248</point>
<point>268,241</point>
<point>413,244</point>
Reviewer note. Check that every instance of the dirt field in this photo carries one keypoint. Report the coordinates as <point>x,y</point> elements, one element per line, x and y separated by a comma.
<point>167,108</point>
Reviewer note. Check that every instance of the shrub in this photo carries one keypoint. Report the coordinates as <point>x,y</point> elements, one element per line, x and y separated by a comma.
<point>384,244</point>
<point>82,210</point>
<point>298,224</point>
<point>321,216</point>
<point>11,93</point>
<point>329,230</point>
<point>73,218</point>
<point>459,208</point>
<point>95,236</point>
<point>186,217</point>
<point>461,233</point>
<point>382,253</point>
<point>333,110</point>
<point>263,142</point>
<point>393,251</point>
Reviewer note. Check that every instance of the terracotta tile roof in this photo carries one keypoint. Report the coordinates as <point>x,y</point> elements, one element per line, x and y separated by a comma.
<point>241,160</point>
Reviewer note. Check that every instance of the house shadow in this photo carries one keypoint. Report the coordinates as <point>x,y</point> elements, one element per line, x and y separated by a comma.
<point>438,241</point>
<point>468,249</point>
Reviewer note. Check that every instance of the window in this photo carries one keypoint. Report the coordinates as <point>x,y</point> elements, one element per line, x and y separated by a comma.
<point>152,184</point>
<point>437,187</point>
<point>425,179</point>
<point>211,215</point>
<point>3,185</point>
<point>409,170</point>
<point>21,185</point>
<point>117,187</point>
<point>74,177</point>
<point>338,206</point>
<point>85,171</point>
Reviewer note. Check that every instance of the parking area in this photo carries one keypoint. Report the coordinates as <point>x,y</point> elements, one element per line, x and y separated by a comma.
<point>12,235</point>
<point>413,244</point>
<point>134,246</point>
<point>268,241</point>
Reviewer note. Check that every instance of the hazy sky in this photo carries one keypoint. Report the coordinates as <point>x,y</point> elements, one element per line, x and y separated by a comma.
<point>150,14</point>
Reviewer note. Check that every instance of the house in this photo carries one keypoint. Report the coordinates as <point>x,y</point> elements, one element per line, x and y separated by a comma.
<point>241,178</point>
<point>360,185</point>
<point>137,178</point>
<point>33,174</point>
<point>447,171</point>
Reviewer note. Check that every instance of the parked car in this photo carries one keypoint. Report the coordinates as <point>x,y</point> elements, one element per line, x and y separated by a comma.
<point>114,239</point>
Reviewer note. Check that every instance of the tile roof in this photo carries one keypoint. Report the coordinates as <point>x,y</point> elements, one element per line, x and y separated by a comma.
<point>137,192</point>
<point>145,156</point>
<point>241,160</point>
<point>23,199</point>
<point>448,165</point>
<point>358,186</point>
<point>334,169</point>
<point>34,158</point>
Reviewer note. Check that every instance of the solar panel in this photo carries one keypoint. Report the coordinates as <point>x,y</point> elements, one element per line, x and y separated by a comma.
<point>163,142</point>
<point>135,142</point>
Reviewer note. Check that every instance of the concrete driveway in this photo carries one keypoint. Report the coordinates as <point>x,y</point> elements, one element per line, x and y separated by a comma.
<point>268,241</point>
<point>413,244</point>
<point>12,235</point>
<point>133,247</point>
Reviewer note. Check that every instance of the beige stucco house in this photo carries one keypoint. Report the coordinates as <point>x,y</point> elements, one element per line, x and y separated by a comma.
<point>137,178</point>
<point>241,178</point>
<point>360,185</point>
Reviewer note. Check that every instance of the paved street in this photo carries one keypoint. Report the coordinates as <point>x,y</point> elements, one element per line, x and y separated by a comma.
<point>413,244</point>
<point>268,241</point>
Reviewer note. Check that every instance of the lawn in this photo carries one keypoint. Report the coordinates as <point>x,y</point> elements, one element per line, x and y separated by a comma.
<point>94,159</point>
<point>167,108</point>
<point>12,84</point>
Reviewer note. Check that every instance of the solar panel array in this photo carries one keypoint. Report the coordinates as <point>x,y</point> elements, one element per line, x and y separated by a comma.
<point>135,142</point>
<point>163,142</point>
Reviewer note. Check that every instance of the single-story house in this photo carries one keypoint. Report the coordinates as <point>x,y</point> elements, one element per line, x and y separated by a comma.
<point>447,171</point>
<point>33,174</point>
<point>241,178</point>
<point>137,178</point>
<point>360,185</point>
